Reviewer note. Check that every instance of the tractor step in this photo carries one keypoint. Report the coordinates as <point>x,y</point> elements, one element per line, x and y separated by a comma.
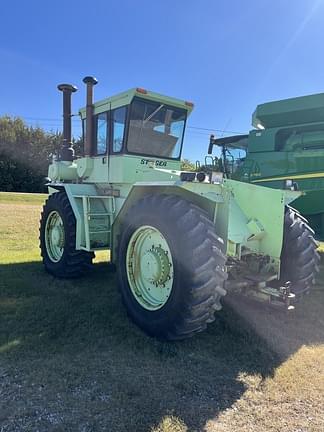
<point>98,211</point>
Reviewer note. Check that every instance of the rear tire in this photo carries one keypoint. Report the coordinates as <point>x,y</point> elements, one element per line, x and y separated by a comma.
<point>57,239</point>
<point>185,273</point>
<point>299,257</point>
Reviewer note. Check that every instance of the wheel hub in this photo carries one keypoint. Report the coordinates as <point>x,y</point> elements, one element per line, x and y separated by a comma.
<point>57,236</point>
<point>149,267</point>
<point>54,236</point>
<point>155,265</point>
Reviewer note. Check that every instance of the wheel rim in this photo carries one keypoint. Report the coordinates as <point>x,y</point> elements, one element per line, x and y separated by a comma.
<point>149,267</point>
<point>54,236</point>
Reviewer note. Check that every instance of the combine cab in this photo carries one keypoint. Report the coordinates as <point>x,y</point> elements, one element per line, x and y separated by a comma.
<point>179,240</point>
<point>285,150</point>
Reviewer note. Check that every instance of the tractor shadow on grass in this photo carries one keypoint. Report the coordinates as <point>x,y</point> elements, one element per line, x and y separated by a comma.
<point>71,360</point>
<point>285,332</point>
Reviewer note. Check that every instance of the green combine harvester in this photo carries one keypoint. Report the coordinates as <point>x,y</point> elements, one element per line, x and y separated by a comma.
<point>286,149</point>
<point>179,240</point>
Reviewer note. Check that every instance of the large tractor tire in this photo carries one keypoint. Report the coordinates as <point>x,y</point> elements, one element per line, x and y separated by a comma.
<point>171,269</point>
<point>299,257</point>
<point>57,239</point>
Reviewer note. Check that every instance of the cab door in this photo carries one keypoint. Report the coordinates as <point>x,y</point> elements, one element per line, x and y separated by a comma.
<point>101,146</point>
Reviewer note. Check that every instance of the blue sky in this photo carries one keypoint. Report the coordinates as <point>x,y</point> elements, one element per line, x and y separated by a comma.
<point>225,56</point>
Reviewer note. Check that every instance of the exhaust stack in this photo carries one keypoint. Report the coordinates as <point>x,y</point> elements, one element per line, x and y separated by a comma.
<point>88,145</point>
<point>67,152</point>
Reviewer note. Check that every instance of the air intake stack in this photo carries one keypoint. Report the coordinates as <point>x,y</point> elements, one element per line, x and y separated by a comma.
<point>67,152</point>
<point>88,145</point>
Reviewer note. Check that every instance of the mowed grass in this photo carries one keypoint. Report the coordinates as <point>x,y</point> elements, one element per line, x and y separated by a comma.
<point>321,247</point>
<point>70,359</point>
<point>23,198</point>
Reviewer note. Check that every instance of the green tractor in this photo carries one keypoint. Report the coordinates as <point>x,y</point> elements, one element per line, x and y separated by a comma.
<point>286,149</point>
<point>179,240</point>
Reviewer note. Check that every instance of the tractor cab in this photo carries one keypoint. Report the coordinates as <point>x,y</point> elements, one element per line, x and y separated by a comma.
<point>131,131</point>
<point>123,136</point>
<point>131,123</point>
<point>230,156</point>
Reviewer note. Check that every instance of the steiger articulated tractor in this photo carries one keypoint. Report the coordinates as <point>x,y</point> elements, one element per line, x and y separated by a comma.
<point>179,240</point>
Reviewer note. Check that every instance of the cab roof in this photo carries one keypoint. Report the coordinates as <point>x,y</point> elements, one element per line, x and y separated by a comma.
<point>126,97</point>
<point>235,141</point>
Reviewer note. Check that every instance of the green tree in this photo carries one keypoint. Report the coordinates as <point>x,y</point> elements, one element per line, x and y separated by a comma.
<point>187,165</point>
<point>24,152</point>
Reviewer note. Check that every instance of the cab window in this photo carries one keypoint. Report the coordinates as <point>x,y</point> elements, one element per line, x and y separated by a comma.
<point>119,119</point>
<point>235,158</point>
<point>155,129</point>
<point>101,134</point>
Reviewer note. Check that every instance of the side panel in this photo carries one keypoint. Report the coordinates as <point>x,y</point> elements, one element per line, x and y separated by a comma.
<point>93,169</point>
<point>263,210</point>
<point>263,164</point>
<point>130,169</point>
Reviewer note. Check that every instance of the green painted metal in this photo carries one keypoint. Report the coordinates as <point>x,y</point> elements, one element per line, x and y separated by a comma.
<point>288,145</point>
<point>54,236</point>
<point>102,190</point>
<point>292,111</point>
<point>149,267</point>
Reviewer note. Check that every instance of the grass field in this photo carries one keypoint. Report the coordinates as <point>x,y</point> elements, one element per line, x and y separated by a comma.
<point>70,360</point>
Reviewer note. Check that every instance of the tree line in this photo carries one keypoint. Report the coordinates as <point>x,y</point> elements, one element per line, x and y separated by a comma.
<point>24,155</point>
<point>24,152</point>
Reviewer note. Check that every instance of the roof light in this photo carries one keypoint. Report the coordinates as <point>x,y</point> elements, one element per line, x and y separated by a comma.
<point>141,90</point>
<point>260,126</point>
<point>188,103</point>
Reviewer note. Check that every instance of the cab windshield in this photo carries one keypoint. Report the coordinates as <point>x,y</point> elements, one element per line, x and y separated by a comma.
<point>155,129</point>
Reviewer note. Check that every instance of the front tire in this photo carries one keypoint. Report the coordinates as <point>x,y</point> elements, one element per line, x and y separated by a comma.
<point>299,257</point>
<point>171,269</point>
<point>57,239</point>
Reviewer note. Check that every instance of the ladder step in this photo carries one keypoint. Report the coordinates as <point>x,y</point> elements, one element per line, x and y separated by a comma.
<point>99,232</point>
<point>98,214</point>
